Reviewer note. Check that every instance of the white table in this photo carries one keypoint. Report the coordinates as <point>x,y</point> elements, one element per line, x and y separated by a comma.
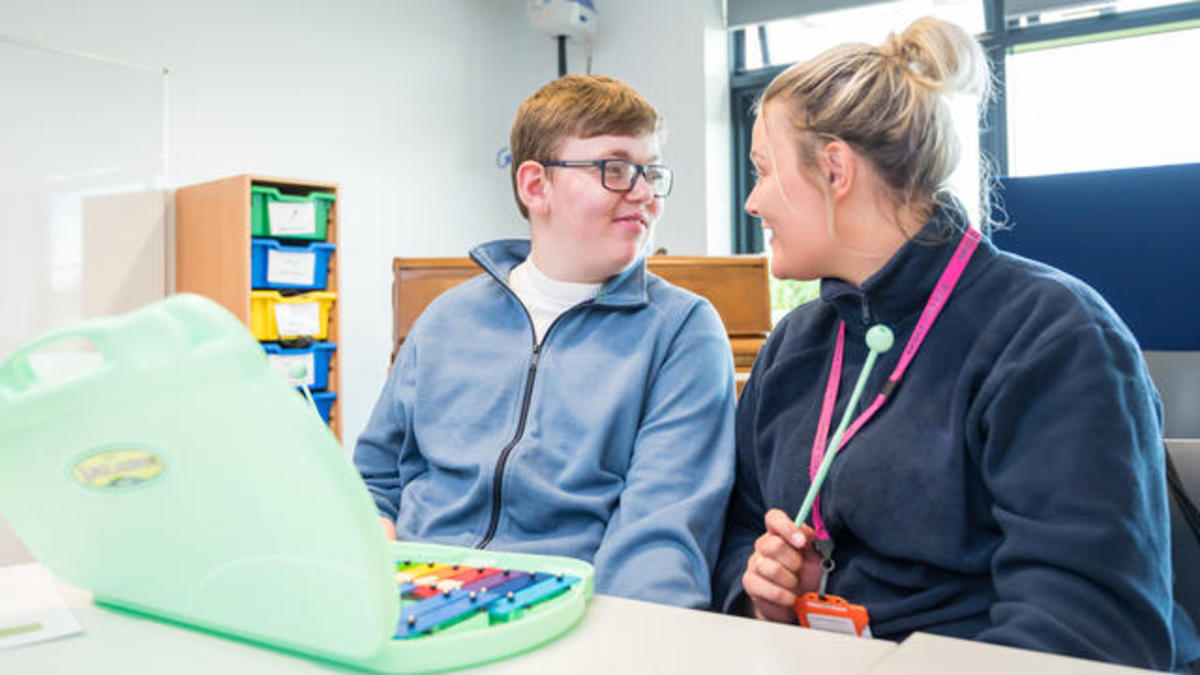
<point>925,654</point>
<point>616,635</point>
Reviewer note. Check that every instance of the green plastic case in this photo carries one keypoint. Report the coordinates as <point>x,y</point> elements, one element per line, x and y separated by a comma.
<point>185,480</point>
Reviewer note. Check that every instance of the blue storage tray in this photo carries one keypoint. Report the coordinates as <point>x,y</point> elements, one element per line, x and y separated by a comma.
<point>282,359</point>
<point>324,401</point>
<point>291,263</point>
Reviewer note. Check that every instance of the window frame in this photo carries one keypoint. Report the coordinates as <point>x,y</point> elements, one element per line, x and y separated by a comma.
<point>999,39</point>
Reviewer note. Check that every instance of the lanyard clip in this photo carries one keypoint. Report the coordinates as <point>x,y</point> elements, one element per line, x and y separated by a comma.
<point>825,548</point>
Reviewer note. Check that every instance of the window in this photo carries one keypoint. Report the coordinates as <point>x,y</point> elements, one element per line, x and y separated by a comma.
<point>1111,104</point>
<point>1026,13</point>
<point>1081,85</point>
<point>792,40</point>
<point>787,294</point>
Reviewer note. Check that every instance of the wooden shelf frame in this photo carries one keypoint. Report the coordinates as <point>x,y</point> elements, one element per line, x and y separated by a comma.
<point>212,252</point>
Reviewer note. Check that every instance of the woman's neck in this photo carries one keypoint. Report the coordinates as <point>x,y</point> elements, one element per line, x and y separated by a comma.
<point>877,232</point>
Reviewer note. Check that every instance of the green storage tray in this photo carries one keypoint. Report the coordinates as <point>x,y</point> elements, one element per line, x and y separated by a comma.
<point>275,214</point>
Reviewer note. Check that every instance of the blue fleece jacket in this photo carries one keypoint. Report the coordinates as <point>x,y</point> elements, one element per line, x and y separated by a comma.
<point>612,442</point>
<point>1011,491</point>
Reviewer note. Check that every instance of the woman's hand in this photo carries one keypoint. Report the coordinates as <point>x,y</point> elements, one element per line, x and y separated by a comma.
<point>389,528</point>
<point>782,567</point>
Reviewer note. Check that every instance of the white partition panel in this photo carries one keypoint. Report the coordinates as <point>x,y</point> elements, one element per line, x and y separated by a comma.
<point>82,200</point>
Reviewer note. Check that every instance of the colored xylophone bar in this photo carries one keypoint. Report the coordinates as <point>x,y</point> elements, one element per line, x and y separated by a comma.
<point>436,596</point>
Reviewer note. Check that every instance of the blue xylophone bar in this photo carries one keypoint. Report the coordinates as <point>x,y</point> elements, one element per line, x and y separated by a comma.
<point>545,589</point>
<point>425,615</point>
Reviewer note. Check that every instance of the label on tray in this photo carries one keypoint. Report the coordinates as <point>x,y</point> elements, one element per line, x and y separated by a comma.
<point>290,219</point>
<point>298,318</point>
<point>291,268</point>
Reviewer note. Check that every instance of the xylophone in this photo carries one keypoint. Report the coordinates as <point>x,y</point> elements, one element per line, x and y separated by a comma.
<point>461,606</point>
<point>436,596</point>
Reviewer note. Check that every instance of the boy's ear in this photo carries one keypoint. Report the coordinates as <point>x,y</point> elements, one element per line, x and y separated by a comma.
<point>838,164</point>
<point>533,186</point>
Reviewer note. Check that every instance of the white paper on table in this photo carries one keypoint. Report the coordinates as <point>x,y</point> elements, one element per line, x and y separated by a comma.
<point>291,218</point>
<point>298,318</point>
<point>31,608</point>
<point>282,364</point>
<point>291,268</point>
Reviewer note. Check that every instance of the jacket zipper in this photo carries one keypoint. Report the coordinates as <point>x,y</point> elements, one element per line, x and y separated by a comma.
<point>498,476</point>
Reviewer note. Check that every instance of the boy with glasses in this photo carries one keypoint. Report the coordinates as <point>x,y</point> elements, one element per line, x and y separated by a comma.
<point>567,401</point>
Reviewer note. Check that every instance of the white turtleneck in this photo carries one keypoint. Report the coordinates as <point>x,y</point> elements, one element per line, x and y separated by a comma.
<point>546,298</point>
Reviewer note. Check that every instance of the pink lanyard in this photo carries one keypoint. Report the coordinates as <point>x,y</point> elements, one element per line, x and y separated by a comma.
<point>933,307</point>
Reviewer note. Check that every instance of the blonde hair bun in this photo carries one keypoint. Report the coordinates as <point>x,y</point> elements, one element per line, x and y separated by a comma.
<point>941,55</point>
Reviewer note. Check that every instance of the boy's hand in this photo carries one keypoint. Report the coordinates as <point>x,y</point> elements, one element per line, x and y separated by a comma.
<point>389,528</point>
<point>782,567</point>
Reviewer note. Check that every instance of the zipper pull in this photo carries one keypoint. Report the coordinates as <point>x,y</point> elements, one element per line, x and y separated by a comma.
<point>825,548</point>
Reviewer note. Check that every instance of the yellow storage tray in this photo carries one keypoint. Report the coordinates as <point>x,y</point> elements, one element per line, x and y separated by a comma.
<point>274,316</point>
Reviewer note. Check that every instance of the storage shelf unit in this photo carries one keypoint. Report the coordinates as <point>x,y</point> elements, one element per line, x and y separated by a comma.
<point>213,251</point>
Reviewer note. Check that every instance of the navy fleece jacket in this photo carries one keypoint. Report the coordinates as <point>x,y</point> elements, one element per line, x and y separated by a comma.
<point>1011,491</point>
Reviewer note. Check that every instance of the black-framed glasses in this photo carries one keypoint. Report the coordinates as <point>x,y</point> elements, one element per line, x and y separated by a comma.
<point>620,175</point>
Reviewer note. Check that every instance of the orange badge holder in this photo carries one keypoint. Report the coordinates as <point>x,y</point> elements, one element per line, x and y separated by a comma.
<point>831,613</point>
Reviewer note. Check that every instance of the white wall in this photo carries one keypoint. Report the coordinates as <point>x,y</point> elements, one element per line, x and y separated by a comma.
<point>675,53</point>
<point>404,104</point>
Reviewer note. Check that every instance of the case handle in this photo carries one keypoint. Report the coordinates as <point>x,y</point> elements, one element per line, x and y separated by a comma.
<point>17,374</point>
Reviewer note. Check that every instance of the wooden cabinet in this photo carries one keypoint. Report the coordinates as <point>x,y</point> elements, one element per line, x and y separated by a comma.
<point>213,251</point>
<point>737,286</point>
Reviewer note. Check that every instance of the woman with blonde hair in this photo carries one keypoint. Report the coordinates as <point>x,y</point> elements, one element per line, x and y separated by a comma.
<point>1003,477</point>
